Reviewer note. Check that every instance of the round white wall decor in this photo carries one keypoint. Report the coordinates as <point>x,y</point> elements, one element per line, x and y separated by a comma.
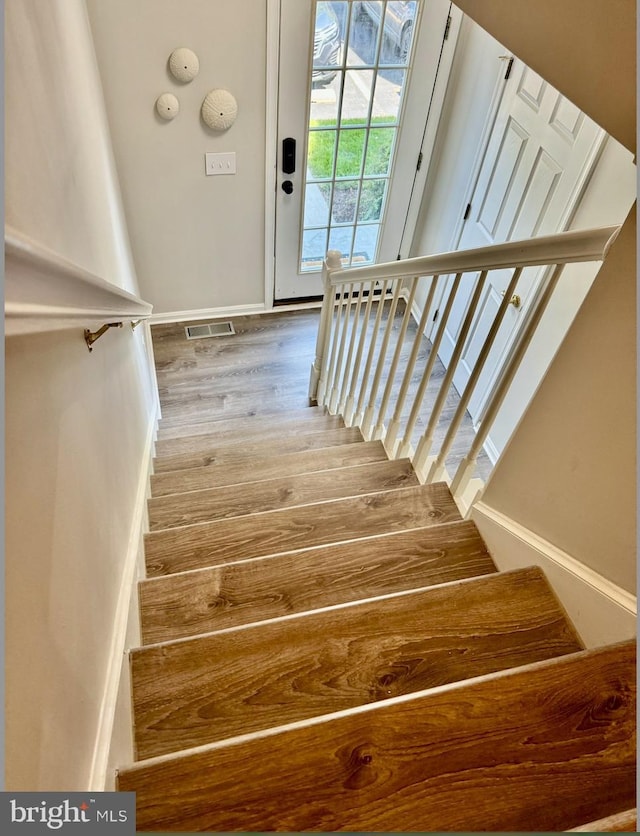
<point>184,64</point>
<point>167,106</point>
<point>219,109</point>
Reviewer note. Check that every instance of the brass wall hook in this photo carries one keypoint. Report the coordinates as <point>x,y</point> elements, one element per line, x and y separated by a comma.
<point>91,336</point>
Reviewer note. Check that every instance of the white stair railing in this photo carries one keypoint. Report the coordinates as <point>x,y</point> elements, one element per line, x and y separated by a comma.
<point>349,332</point>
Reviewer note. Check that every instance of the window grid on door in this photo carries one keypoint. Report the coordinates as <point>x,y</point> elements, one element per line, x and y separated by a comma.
<point>353,118</point>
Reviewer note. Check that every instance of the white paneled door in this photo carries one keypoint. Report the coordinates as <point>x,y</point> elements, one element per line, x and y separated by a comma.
<point>536,163</point>
<point>356,79</point>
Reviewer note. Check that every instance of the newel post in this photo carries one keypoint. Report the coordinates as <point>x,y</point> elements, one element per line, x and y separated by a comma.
<point>331,262</point>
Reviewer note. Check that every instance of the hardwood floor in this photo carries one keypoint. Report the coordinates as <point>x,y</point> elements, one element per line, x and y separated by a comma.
<point>264,367</point>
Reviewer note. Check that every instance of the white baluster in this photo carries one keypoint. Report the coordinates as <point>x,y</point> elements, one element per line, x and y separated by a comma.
<point>465,470</point>
<point>331,262</point>
<point>461,410</point>
<point>422,462</point>
<point>367,421</point>
<point>359,413</point>
<point>391,439</point>
<point>337,380</point>
<point>349,409</point>
<point>352,343</point>
<point>404,448</point>
<point>391,375</point>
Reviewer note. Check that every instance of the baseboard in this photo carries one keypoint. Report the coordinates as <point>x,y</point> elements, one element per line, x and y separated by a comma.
<point>99,779</point>
<point>228,312</point>
<point>206,313</point>
<point>602,612</point>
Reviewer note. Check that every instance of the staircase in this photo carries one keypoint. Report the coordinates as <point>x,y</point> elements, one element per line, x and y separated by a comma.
<point>328,645</point>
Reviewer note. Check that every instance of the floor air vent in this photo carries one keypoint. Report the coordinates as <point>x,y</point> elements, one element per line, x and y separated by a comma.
<point>211,329</point>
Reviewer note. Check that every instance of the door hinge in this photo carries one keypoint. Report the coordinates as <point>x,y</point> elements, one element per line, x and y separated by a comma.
<point>435,316</point>
<point>419,166</point>
<point>467,212</point>
<point>508,70</point>
<point>447,28</point>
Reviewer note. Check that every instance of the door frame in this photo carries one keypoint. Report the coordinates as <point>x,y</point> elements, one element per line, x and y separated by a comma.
<point>433,117</point>
<point>271,149</point>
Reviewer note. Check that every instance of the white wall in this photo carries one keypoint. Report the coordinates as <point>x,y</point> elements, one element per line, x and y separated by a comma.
<point>78,425</point>
<point>198,241</point>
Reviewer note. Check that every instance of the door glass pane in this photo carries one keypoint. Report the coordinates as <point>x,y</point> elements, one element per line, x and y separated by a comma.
<point>317,200</point>
<point>371,200</point>
<point>361,52</point>
<point>379,150</point>
<point>314,249</point>
<point>350,153</point>
<point>321,154</point>
<point>366,244</point>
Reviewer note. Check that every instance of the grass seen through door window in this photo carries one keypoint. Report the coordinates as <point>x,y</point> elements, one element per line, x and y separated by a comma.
<point>322,148</point>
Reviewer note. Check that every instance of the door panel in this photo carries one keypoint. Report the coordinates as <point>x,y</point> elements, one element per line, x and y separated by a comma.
<point>537,160</point>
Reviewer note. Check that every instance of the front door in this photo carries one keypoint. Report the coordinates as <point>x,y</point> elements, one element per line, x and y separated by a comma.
<point>538,158</point>
<point>347,151</point>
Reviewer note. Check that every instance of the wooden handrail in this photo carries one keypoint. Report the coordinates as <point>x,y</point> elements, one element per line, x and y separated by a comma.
<point>562,248</point>
<point>44,291</point>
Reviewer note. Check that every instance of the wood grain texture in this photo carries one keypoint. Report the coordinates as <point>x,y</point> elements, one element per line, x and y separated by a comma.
<point>200,601</point>
<point>265,367</point>
<point>310,414</point>
<point>270,494</point>
<point>251,469</point>
<point>542,748</point>
<point>626,822</point>
<point>251,678</point>
<point>243,451</point>
<point>256,428</point>
<point>223,541</point>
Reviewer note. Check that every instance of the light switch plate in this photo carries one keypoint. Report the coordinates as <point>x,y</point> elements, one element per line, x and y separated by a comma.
<point>220,163</point>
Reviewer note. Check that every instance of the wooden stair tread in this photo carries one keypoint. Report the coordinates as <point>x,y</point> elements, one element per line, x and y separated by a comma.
<point>223,541</point>
<point>254,430</point>
<point>249,498</point>
<point>246,679</point>
<point>256,447</point>
<point>240,423</point>
<point>539,748</point>
<point>199,601</point>
<point>251,469</point>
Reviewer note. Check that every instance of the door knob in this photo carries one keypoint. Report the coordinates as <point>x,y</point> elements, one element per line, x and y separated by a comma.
<point>287,187</point>
<point>515,300</point>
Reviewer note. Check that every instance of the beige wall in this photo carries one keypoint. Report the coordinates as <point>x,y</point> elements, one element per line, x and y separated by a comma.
<point>78,425</point>
<point>585,48</point>
<point>569,472</point>
<point>198,241</point>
